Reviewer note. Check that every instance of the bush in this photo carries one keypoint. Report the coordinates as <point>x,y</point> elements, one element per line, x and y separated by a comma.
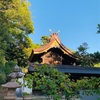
<point>55,84</point>
<point>51,82</point>
<point>5,70</point>
<point>2,78</point>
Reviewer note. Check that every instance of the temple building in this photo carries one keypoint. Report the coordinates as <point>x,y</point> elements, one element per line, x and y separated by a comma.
<point>63,58</point>
<point>53,52</point>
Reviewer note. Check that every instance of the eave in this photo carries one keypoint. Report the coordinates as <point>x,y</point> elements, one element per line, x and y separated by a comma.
<point>54,43</point>
<point>75,71</point>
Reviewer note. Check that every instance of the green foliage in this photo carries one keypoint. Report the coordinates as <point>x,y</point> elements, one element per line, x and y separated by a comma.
<point>17,54</point>
<point>25,94</point>
<point>5,70</point>
<point>15,25</point>
<point>96,57</point>
<point>97,65</point>
<point>2,78</point>
<point>31,47</point>
<point>51,82</point>
<point>89,85</point>
<point>98,98</point>
<point>83,55</point>
<point>85,58</point>
<point>45,40</point>
<point>98,29</point>
<point>55,84</point>
<point>17,15</point>
<point>9,67</point>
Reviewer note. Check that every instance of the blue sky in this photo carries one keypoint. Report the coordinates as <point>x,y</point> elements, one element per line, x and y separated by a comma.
<point>76,19</point>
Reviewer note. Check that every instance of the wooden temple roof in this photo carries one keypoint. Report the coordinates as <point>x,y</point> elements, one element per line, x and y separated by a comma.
<point>54,43</point>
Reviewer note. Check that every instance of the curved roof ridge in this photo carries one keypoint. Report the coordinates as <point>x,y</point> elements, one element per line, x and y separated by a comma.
<point>67,49</point>
<point>54,42</point>
<point>56,37</point>
<point>53,37</point>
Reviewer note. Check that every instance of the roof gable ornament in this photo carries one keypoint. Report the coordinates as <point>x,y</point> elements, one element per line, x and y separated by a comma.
<point>54,32</point>
<point>54,35</point>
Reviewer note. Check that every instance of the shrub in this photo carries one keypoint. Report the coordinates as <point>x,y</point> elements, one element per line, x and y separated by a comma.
<point>51,82</point>
<point>55,84</point>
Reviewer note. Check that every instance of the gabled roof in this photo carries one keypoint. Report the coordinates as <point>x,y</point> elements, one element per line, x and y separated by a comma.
<point>54,43</point>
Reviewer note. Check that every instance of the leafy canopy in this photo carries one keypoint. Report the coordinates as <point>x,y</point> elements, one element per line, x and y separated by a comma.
<point>45,40</point>
<point>15,25</point>
<point>85,58</point>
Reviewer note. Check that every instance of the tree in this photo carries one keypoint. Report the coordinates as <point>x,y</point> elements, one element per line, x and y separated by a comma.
<point>85,58</point>
<point>96,57</point>
<point>15,25</point>
<point>32,46</point>
<point>45,40</point>
<point>98,28</point>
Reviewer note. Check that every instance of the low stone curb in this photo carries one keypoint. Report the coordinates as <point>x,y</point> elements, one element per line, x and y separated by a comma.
<point>42,98</point>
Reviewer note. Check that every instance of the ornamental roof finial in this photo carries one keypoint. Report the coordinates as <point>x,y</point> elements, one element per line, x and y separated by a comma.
<point>58,31</point>
<point>51,31</point>
<point>54,32</point>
